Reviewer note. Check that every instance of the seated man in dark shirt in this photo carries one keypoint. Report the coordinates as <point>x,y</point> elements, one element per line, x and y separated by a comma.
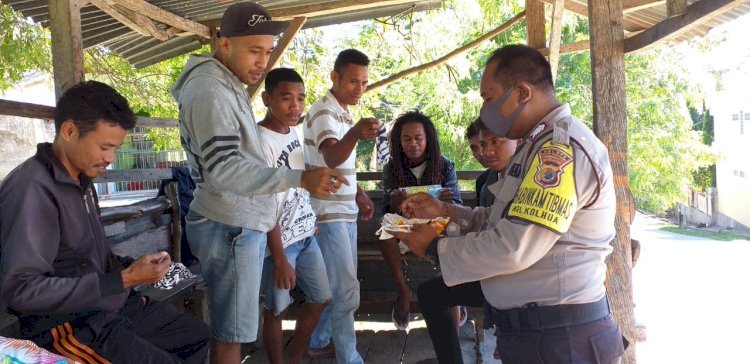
<point>415,161</point>
<point>71,295</point>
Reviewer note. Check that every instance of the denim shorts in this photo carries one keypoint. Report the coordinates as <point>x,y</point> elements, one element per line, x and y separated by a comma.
<point>231,261</point>
<point>305,258</point>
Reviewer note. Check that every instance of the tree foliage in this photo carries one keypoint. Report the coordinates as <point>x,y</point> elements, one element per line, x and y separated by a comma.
<point>24,48</point>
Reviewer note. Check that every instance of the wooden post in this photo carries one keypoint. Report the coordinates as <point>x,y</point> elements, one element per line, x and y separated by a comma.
<point>555,36</point>
<point>610,125</point>
<point>289,33</point>
<point>67,46</point>
<point>535,32</point>
<point>676,7</point>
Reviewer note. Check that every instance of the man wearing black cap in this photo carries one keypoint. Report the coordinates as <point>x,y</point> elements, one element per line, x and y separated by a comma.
<point>234,206</point>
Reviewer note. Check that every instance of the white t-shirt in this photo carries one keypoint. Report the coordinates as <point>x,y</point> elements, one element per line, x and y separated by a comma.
<point>327,119</point>
<point>296,216</point>
<point>419,170</point>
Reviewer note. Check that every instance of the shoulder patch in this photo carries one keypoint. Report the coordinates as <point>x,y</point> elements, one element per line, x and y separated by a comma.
<point>547,196</point>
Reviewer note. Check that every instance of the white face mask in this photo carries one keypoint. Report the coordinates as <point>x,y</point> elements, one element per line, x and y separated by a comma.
<point>494,120</point>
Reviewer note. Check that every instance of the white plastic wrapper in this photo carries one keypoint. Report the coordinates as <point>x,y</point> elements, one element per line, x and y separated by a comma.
<point>395,222</point>
<point>177,272</point>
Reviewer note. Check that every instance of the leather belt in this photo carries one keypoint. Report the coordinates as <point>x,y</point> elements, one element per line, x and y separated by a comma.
<point>533,317</point>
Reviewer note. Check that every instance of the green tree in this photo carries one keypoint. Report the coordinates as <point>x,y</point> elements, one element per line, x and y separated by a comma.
<point>24,48</point>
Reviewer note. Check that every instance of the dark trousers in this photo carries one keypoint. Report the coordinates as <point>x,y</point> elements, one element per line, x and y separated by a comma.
<point>598,342</point>
<point>141,333</point>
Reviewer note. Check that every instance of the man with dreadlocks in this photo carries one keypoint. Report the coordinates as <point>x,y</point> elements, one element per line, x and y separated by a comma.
<point>415,161</point>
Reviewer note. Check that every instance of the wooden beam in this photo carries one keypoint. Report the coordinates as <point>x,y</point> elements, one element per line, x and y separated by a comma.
<point>154,12</point>
<point>35,111</point>
<point>289,33</point>
<point>582,10</point>
<point>635,5</point>
<point>139,23</point>
<point>569,48</point>
<point>677,25</point>
<point>610,126</point>
<point>318,9</point>
<point>535,24</point>
<point>67,46</point>
<point>505,26</point>
<point>676,7</point>
<point>555,36</point>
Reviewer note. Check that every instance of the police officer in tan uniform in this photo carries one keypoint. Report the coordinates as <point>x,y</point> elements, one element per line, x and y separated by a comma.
<point>537,255</point>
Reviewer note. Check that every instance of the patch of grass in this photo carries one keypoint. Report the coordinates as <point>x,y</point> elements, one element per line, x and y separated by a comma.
<point>723,236</point>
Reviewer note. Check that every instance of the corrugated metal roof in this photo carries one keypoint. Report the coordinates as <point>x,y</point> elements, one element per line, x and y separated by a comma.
<point>99,28</point>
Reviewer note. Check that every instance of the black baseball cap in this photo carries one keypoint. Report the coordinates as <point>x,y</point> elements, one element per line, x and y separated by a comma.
<point>248,18</point>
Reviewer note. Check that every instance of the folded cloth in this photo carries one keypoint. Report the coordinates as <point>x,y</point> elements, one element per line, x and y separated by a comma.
<point>398,223</point>
<point>23,351</point>
<point>177,272</point>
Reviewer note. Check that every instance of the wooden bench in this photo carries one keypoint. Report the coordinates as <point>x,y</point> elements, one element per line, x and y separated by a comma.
<point>377,287</point>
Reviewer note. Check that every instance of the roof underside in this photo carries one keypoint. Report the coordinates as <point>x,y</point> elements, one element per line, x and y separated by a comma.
<point>99,28</point>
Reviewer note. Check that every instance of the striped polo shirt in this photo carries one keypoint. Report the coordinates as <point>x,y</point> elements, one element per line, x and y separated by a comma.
<point>327,119</point>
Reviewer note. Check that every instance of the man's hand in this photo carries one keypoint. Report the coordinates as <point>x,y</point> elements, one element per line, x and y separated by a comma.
<point>322,181</point>
<point>366,128</point>
<point>421,206</point>
<point>146,270</point>
<point>397,196</point>
<point>365,204</point>
<point>418,239</point>
<point>283,275</point>
<point>446,195</point>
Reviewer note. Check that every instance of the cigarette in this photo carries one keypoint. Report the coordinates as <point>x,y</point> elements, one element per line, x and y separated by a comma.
<point>162,258</point>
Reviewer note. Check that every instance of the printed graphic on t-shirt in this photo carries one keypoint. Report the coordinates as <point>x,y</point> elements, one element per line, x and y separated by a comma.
<point>304,220</point>
<point>283,160</point>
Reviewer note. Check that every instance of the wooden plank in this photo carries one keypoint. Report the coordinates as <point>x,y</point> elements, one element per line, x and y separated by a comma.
<point>635,5</point>
<point>26,110</point>
<point>137,22</point>
<point>154,12</point>
<point>676,7</point>
<point>289,33</point>
<point>147,242</point>
<point>36,111</point>
<point>67,46</point>
<point>569,48</point>
<point>364,340</point>
<point>555,36</point>
<point>505,26</point>
<point>582,10</point>
<point>418,347</point>
<point>151,206</point>
<point>535,24</point>
<point>386,347</point>
<point>120,175</point>
<point>675,26</point>
<point>610,125</point>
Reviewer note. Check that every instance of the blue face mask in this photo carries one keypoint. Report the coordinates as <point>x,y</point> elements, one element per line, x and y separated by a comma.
<point>494,120</point>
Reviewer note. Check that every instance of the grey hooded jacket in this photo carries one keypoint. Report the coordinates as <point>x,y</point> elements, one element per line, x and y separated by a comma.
<point>234,185</point>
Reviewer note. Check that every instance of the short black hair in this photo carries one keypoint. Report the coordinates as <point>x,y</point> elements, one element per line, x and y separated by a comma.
<point>278,75</point>
<point>350,56</point>
<point>90,102</point>
<point>521,63</point>
<point>474,128</point>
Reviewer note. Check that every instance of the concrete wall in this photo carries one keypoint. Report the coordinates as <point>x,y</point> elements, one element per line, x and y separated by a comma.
<point>19,136</point>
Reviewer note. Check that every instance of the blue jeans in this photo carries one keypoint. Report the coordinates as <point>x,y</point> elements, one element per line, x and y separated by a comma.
<point>305,258</point>
<point>338,243</point>
<point>231,261</point>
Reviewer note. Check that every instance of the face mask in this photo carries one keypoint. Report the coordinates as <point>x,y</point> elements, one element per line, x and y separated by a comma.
<point>494,120</point>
